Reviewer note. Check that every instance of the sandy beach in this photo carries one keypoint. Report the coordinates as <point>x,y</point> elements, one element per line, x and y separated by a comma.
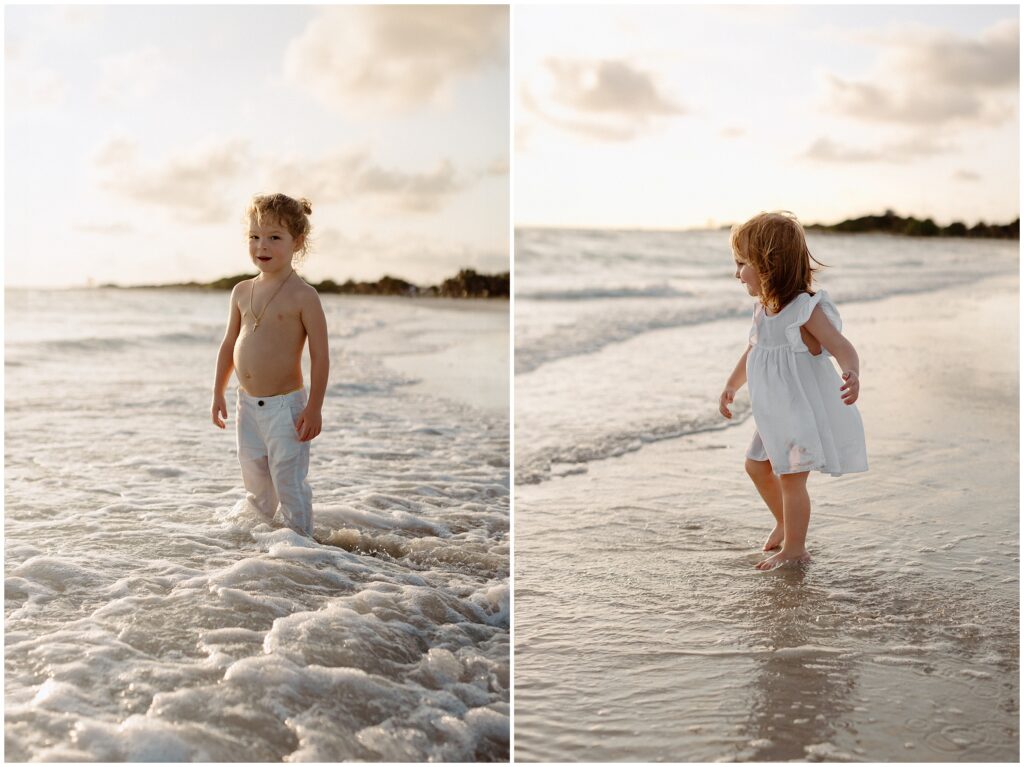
<point>643,632</point>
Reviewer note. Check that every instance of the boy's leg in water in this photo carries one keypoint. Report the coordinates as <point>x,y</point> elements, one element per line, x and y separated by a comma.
<point>259,488</point>
<point>796,508</point>
<point>768,486</point>
<point>252,457</point>
<point>289,468</point>
<point>289,465</point>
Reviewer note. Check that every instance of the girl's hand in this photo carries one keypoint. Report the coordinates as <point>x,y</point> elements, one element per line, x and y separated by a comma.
<point>724,401</point>
<point>308,425</point>
<point>851,387</point>
<point>218,411</point>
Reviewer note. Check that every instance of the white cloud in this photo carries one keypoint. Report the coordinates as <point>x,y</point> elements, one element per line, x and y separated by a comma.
<point>415,192</point>
<point>196,181</point>
<point>990,62</point>
<point>903,104</point>
<point>393,58</point>
<point>607,99</point>
<point>192,183</point>
<point>966,175</point>
<point>354,176</point>
<point>898,152</point>
<point>608,86</point>
<point>930,77</point>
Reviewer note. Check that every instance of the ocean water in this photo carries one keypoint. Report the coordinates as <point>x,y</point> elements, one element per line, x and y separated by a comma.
<point>149,617</point>
<point>637,321</point>
<point>642,630</point>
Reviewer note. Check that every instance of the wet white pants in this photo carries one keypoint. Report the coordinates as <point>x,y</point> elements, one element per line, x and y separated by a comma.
<point>274,461</point>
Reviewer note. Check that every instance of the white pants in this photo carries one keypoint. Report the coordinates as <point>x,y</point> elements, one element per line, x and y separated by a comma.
<point>274,462</point>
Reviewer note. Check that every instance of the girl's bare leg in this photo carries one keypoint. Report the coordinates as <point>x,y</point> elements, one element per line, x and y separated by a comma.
<point>796,508</point>
<point>768,486</point>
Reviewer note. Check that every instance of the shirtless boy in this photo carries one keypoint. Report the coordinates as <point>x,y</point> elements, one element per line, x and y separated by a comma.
<point>269,320</point>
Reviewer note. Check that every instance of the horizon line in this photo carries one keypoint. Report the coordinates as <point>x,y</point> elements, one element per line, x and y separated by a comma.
<point>726,225</point>
<point>94,285</point>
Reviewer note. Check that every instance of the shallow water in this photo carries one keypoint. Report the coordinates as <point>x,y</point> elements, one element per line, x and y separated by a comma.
<point>643,323</point>
<point>148,616</point>
<point>643,631</point>
<point>656,640</point>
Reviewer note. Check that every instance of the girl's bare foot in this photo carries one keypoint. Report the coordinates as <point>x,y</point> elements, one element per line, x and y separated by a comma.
<point>775,538</point>
<point>784,558</point>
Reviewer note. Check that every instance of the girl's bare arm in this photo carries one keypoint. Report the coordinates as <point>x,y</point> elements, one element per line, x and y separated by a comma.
<point>739,373</point>
<point>736,380</point>
<point>840,348</point>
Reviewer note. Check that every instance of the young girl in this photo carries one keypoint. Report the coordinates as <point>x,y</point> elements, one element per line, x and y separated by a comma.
<point>804,415</point>
<point>269,320</point>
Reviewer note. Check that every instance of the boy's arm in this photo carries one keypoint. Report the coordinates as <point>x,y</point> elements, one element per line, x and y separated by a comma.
<point>225,362</point>
<point>830,338</point>
<point>315,323</point>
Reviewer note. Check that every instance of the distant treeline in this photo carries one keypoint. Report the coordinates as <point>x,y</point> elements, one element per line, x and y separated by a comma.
<point>890,223</point>
<point>466,284</point>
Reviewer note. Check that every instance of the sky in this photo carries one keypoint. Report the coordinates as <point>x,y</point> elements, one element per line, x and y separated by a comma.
<point>135,137</point>
<point>676,117</point>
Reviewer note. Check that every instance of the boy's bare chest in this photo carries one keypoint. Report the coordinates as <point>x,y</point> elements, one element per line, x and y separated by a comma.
<point>280,318</point>
<point>278,323</point>
<point>261,311</point>
<point>278,339</point>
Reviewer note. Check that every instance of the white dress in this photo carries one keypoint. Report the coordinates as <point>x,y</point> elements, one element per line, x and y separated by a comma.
<point>802,422</point>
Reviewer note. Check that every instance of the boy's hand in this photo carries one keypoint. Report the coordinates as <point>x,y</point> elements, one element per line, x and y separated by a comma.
<point>724,401</point>
<point>308,425</point>
<point>218,410</point>
<point>851,387</point>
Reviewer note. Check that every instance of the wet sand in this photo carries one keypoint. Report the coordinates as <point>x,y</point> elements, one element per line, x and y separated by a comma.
<point>643,631</point>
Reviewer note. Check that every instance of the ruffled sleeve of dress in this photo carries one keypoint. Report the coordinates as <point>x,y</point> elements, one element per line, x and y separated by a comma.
<point>752,338</point>
<point>803,313</point>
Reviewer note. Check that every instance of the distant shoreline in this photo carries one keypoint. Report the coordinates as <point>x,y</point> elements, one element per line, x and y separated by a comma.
<point>466,284</point>
<point>886,223</point>
<point>890,223</point>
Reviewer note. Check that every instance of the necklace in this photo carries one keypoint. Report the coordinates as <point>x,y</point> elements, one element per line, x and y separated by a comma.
<point>256,324</point>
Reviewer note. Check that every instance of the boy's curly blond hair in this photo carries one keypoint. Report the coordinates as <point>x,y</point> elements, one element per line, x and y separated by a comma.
<point>291,213</point>
<point>775,245</point>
